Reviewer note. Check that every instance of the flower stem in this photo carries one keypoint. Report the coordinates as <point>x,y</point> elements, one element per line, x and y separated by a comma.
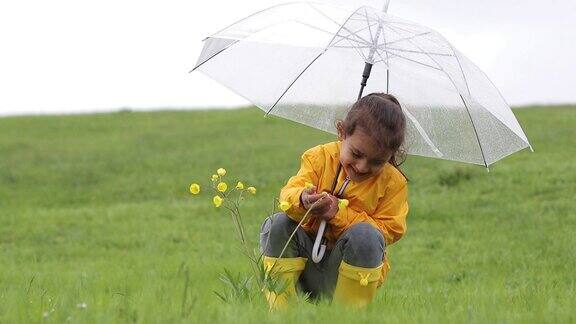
<point>294,232</point>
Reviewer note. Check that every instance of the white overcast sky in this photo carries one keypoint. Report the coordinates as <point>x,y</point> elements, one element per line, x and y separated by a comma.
<point>77,56</point>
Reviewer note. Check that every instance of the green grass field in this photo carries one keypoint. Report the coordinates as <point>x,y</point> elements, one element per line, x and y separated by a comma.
<point>97,224</point>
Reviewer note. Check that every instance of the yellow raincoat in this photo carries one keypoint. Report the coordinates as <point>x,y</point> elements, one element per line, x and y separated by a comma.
<point>381,201</point>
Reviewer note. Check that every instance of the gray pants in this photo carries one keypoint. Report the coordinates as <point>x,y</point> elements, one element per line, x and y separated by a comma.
<point>361,245</point>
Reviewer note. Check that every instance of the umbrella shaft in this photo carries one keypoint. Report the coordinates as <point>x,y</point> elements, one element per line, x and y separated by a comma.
<point>365,76</point>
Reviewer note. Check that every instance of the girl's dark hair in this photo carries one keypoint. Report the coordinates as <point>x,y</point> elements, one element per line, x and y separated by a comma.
<point>380,116</point>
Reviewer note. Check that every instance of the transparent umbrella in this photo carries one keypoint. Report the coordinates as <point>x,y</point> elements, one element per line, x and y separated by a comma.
<point>308,62</point>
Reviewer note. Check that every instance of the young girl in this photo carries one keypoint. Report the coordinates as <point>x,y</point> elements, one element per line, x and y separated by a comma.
<point>360,167</point>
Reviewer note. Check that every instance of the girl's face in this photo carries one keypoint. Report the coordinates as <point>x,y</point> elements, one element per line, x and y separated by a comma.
<point>360,156</point>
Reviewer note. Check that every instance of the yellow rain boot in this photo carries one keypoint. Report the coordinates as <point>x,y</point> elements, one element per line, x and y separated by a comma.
<point>356,286</point>
<point>287,270</point>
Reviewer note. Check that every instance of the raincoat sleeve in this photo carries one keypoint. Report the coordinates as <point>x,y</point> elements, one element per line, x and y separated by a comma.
<point>310,165</point>
<point>389,216</point>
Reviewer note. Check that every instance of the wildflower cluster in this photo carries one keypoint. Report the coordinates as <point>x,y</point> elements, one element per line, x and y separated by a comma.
<point>220,188</point>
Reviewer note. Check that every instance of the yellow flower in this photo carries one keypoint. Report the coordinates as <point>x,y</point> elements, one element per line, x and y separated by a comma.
<point>194,188</point>
<point>252,190</point>
<point>214,177</point>
<point>309,185</point>
<point>217,200</point>
<point>342,203</point>
<point>284,205</point>
<point>222,187</point>
<point>239,185</point>
<point>221,172</point>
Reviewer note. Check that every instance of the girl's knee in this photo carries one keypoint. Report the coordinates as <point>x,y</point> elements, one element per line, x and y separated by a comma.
<point>274,233</point>
<point>364,245</point>
<point>277,224</point>
<point>366,235</point>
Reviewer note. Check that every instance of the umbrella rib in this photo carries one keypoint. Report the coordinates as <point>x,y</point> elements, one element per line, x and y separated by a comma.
<point>357,19</point>
<point>426,30</point>
<point>254,14</point>
<point>419,127</point>
<point>323,14</point>
<point>351,46</point>
<point>387,49</point>
<point>361,41</point>
<point>461,70</point>
<point>356,35</point>
<point>293,81</point>
<point>345,37</point>
<point>237,40</point>
<point>407,24</point>
<point>502,97</point>
<point>405,38</point>
<point>313,27</point>
<point>357,50</point>
<point>381,58</point>
<point>208,59</point>
<point>475,131</point>
<point>418,52</point>
<point>309,64</point>
<point>411,60</point>
<point>342,26</point>
<point>368,23</point>
<point>423,133</point>
<point>420,34</point>
<point>469,93</point>
<point>463,101</point>
<point>240,20</point>
<point>387,59</point>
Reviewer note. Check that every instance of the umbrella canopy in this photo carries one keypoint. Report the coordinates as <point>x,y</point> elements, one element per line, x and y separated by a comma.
<point>303,61</point>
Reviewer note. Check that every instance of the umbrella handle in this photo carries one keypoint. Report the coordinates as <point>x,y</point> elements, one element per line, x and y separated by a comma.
<point>318,249</point>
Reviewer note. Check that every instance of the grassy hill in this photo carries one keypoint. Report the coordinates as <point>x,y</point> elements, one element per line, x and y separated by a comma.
<point>97,225</point>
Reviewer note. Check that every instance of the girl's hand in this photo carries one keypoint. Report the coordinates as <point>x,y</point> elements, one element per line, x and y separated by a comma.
<point>309,197</point>
<point>332,209</point>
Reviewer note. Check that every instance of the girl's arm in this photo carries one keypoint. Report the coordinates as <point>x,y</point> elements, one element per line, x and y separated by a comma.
<point>389,217</point>
<point>296,184</point>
